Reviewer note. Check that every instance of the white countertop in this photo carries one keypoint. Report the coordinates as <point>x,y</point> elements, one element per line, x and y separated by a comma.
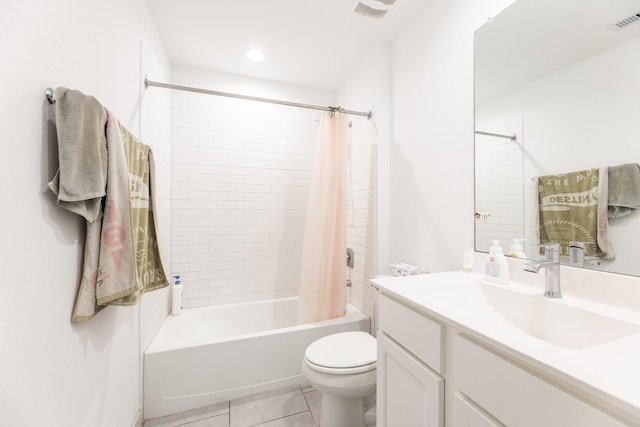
<point>608,372</point>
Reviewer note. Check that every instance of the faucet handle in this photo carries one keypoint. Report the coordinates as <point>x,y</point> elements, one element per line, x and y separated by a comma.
<point>551,251</point>
<point>550,246</point>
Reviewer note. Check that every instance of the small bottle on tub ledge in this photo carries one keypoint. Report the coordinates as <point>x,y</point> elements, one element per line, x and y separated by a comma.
<point>176,296</point>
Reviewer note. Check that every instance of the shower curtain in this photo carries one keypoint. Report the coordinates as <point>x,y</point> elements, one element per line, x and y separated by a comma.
<point>323,292</point>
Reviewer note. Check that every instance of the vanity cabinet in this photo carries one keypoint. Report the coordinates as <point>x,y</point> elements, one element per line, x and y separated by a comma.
<point>410,391</point>
<point>514,395</point>
<point>427,368</point>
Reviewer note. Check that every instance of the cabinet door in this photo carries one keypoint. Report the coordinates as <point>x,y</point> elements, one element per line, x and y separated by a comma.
<point>409,393</point>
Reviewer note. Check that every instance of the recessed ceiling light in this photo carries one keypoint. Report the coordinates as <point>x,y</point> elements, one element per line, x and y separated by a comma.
<point>255,55</point>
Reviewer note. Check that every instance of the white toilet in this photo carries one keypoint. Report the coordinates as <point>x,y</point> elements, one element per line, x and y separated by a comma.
<point>343,368</point>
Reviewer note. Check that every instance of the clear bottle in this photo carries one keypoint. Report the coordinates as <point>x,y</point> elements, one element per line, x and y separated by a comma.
<point>496,268</point>
<point>467,262</point>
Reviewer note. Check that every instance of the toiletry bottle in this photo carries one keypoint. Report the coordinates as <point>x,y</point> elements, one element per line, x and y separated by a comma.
<point>517,249</point>
<point>496,268</point>
<point>176,296</point>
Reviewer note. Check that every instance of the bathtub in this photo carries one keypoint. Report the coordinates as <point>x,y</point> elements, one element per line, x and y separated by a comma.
<point>213,354</point>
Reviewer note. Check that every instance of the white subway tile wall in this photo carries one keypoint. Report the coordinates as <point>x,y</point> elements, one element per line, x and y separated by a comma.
<point>156,132</point>
<point>240,182</point>
<point>361,202</point>
<point>499,189</point>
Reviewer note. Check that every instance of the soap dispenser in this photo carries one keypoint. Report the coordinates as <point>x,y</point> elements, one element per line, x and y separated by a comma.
<point>517,249</point>
<point>496,268</point>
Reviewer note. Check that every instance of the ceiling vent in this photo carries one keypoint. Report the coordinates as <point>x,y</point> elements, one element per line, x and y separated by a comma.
<point>628,21</point>
<point>373,8</point>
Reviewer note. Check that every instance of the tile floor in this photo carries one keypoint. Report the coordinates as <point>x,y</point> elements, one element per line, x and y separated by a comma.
<point>288,407</point>
<point>296,406</point>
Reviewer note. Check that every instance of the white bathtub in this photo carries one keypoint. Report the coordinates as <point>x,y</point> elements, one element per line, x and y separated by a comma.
<point>212,354</point>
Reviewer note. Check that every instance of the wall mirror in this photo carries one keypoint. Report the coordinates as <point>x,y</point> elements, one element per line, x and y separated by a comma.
<point>564,78</point>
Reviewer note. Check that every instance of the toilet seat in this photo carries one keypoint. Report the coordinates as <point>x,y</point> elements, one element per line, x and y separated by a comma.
<point>342,354</point>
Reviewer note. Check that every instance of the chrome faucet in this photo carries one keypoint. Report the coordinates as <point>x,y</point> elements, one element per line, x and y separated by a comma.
<point>551,264</point>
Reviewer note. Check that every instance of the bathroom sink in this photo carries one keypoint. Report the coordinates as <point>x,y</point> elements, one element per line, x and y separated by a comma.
<point>554,320</point>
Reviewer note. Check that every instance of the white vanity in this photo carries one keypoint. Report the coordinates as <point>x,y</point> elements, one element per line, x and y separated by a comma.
<point>453,351</point>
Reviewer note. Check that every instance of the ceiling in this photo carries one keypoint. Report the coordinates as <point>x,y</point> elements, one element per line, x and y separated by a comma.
<point>515,48</point>
<point>308,43</point>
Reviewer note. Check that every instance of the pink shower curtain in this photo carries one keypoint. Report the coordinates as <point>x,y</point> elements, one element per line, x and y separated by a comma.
<point>323,292</point>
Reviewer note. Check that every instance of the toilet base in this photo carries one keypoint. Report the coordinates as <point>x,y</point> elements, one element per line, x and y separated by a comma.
<point>341,412</point>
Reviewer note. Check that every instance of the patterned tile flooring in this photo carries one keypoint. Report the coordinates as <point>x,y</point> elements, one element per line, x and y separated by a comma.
<point>288,407</point>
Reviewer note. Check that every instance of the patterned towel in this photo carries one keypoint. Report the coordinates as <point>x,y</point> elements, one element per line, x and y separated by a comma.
<point>122,259</point>
<point>150,274</point>
<point>109,270</point>
<point>573,207</point>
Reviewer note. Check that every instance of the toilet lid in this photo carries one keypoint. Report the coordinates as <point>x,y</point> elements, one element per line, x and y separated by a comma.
<point>345,350</point>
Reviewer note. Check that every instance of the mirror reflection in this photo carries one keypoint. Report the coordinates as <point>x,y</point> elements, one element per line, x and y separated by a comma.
<point>563,78</point>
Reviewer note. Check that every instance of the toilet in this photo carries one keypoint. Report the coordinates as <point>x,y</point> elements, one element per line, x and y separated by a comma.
<point>343,368</point>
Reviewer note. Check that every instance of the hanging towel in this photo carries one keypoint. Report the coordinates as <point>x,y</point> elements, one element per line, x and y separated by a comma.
<point>150,274</point>
<point>571,208</point>
<point>80,182</point>
<point>122,260</point>
<point>109,270</point>
<point>606,251</point>
<point>624,189</point>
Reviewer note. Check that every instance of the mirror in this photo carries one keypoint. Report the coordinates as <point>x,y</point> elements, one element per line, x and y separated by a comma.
<point>563,77</point>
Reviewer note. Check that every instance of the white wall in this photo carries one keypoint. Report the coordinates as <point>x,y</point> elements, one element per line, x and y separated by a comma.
<point>53,372</point>
<point>431,186</point>
<point>240,185</point>
<point>155,122</point>
<point>367,89</point>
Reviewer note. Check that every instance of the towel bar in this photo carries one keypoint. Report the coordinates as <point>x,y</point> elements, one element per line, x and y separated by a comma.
<point>49,94</point>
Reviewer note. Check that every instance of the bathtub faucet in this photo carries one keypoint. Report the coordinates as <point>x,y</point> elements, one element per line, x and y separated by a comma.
<point>551,264</point>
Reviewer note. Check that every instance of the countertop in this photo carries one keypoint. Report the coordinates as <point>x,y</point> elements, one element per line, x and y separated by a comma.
<point>609,372</point>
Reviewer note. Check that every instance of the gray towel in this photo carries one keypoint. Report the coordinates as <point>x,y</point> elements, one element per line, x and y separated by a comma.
<point>624,189</point>
<point>80,182</point>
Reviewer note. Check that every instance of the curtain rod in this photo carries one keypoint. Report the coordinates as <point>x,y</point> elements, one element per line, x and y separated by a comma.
<point>497,135</point>
<point>148,83</point>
